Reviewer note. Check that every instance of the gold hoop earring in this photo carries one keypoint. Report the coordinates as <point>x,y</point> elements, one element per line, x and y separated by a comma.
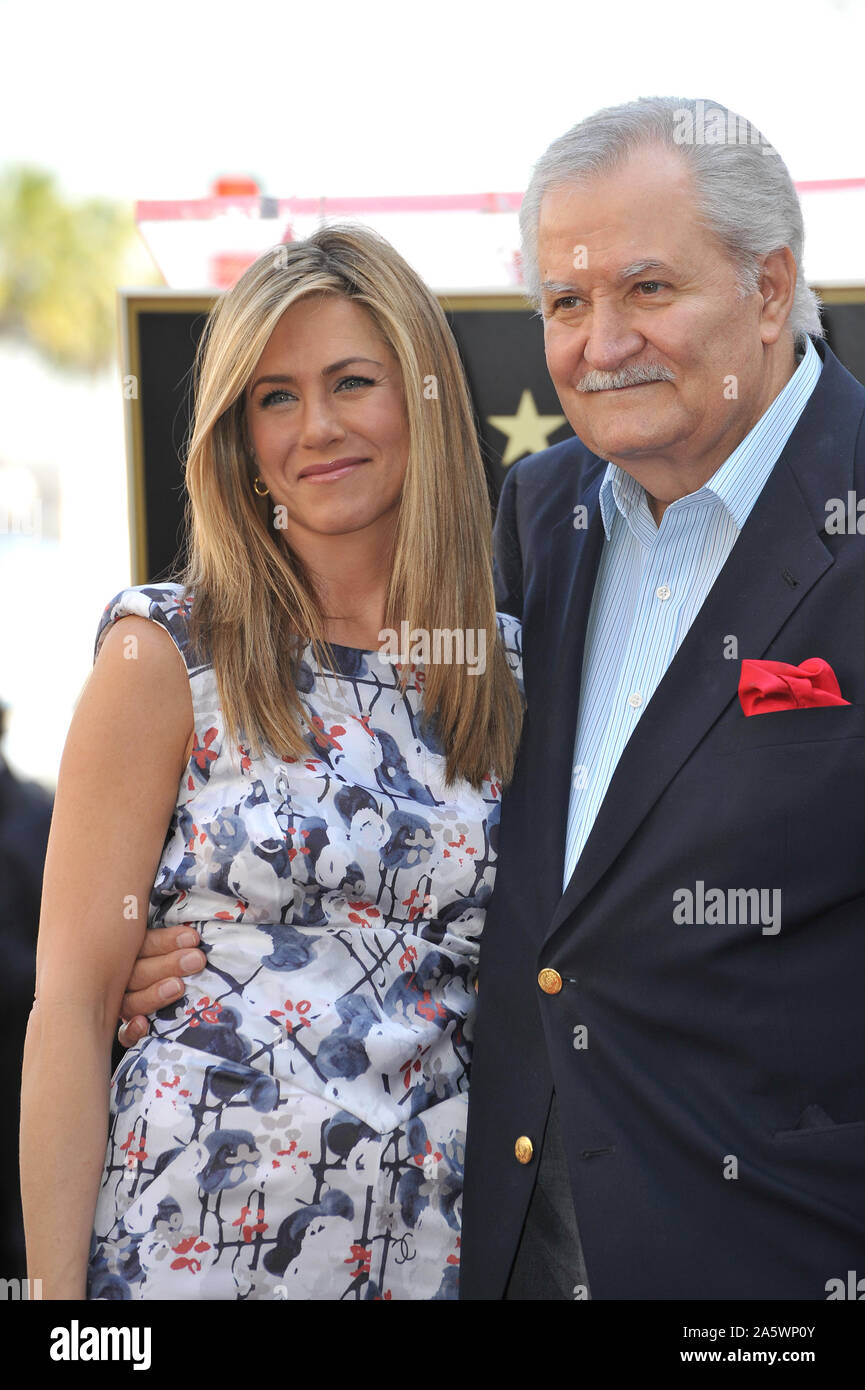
<point>260,491</point>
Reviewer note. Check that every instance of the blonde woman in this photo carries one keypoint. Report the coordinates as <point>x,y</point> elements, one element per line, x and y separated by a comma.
<point>251,757</point>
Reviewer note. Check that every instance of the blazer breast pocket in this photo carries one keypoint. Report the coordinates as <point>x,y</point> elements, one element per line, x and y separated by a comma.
<point>792,727</point>
<point>796,779</point>
<point>850,1129</point>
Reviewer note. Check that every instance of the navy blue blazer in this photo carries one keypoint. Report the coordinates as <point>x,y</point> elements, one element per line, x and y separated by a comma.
<point>713,1111</point>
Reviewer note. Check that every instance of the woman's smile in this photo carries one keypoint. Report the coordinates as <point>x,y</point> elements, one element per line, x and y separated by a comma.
<point>328,472</point>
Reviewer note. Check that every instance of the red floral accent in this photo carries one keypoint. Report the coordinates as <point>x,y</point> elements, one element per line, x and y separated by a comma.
<point>326,738</point>
<point>365,908</point>
<point>188,1243</point>
<point>364,1258</point>
<point>250,1230</point>
<point>459,844</point>
<point>416,674</point>
<point>196,834</point>
<point>428,1149</point>
<point>227,916</point>
<point>293,849</point>
<point>413,1064</point>
<point>416,909</point>
<point>202,753</point>
<point>408,955</point>
<point>430,1009</point>
<point>133,1155</point>
<point>302,1008</point>
<point>206,1008</point>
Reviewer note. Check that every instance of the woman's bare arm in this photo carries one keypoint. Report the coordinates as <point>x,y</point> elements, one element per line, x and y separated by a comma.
<point>127,747</point>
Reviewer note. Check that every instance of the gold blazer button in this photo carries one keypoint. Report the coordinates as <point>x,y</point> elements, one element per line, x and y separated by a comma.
<point>550,981</point>
<point>524,1149</point>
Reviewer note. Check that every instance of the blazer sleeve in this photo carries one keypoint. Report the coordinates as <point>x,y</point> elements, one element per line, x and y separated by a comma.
<point>507,552</point>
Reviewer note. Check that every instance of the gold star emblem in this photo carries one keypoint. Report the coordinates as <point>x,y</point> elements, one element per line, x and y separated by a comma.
<point>527,431</point>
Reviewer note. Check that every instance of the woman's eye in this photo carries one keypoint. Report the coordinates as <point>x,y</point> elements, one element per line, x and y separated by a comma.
<point>354,381</point>
<point>280,395</point>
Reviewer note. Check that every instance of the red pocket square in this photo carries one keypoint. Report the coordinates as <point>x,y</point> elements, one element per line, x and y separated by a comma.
<point>768,686</point>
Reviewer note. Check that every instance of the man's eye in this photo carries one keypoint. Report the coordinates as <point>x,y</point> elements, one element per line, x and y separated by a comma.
<point>567,301</point>
<point>650,286</point>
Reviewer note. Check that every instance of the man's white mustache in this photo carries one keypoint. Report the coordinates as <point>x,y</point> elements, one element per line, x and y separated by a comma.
<point>640,374</point>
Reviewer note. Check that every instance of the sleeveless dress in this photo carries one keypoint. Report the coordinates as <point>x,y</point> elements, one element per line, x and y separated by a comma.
<point>294,1126</point>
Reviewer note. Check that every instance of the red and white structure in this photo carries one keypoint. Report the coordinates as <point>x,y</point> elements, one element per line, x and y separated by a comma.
<point>465,241</point>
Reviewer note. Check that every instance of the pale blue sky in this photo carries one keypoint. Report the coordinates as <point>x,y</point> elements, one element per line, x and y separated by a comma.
<point>153,100</point>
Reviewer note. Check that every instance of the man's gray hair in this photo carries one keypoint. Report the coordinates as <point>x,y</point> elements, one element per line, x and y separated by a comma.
<point>744,189</point>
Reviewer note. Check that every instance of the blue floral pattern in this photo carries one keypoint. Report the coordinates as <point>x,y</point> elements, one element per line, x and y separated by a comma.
<point>294,1127</point>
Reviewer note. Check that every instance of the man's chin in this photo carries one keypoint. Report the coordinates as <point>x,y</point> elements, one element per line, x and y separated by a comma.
<point>626,449</point>
<point>622,423</point>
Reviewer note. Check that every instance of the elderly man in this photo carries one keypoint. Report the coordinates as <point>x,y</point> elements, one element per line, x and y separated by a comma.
<point>668,1099</point>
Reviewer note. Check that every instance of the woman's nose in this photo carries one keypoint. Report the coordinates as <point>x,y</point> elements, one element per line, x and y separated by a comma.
<point>320,423</point>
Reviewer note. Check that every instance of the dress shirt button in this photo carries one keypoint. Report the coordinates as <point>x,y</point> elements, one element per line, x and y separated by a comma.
<point>635,700</point>
<point>550,981</point>
<point>663,591</point>
<point>524,1149</point>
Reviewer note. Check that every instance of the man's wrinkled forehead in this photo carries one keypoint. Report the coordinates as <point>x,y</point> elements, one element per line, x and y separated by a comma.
<point>642,217</point>
<point>646,170</point>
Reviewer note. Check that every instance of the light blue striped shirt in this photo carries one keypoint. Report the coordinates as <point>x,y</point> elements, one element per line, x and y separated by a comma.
<point>651,584</point>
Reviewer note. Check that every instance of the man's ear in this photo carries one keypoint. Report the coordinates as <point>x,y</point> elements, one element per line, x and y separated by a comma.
<point>777,286</point>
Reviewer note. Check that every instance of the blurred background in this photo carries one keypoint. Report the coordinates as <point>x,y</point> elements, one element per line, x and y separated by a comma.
<point>118,124</point>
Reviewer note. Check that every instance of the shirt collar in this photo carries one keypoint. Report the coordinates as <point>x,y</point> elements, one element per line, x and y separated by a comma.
<point>739,481</point>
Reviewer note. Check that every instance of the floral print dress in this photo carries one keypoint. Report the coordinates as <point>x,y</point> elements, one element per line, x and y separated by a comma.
<point>294,1127</point>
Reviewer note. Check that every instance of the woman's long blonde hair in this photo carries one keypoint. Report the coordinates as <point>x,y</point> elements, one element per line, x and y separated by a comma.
<point>254,606</point>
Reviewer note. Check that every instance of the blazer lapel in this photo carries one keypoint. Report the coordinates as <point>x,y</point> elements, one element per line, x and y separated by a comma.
<point>553,673</point>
